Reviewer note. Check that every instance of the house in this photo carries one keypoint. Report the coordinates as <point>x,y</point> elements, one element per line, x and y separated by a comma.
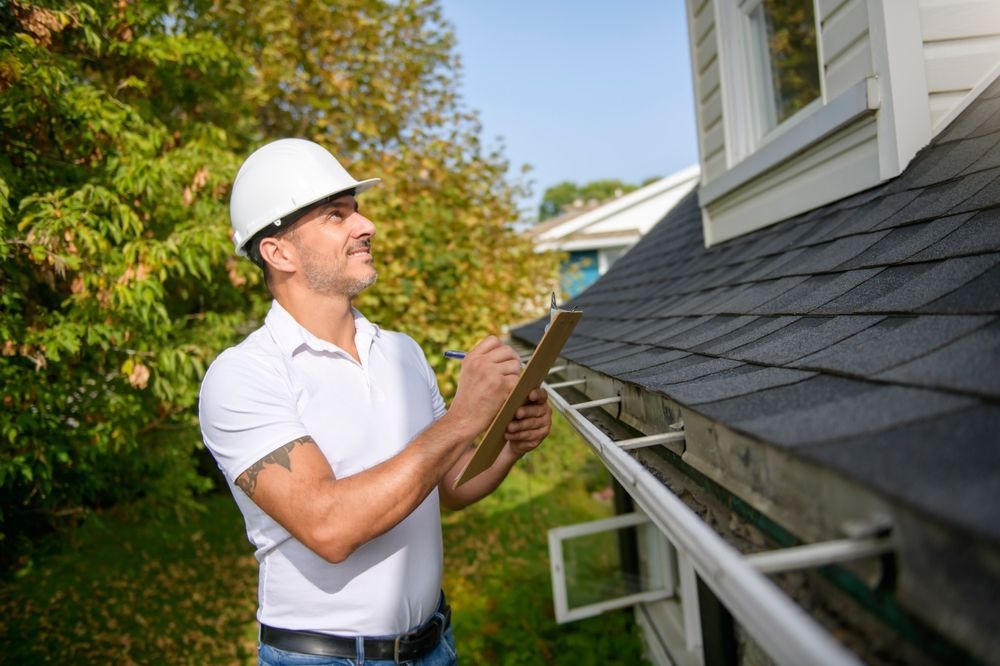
<point>794,377</point>
<point>595,235</point>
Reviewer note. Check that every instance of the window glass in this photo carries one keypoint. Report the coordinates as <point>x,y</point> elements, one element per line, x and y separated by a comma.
<point>784,32</point>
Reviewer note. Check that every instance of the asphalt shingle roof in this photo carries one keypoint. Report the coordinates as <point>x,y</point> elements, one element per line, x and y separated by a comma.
<point>863,335</point>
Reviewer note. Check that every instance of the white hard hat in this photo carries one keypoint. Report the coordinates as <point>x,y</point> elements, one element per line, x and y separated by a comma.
<point>280,178</point>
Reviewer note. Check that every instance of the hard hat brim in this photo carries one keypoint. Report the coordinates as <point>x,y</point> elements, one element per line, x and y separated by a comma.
<point>358,187</point>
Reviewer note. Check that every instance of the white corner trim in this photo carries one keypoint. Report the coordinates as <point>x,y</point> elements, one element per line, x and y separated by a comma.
<point>825,120</point>
<point>904,121</point>
<point>983,84</point>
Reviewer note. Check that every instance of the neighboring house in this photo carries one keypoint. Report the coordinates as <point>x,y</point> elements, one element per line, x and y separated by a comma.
<point>594,236</point>
<point>795,375</point>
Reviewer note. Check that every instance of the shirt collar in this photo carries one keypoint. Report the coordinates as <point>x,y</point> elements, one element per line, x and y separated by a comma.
<point>291,336</point>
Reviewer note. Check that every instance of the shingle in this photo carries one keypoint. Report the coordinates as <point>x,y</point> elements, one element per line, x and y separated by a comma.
<point>710,328</point>
<point>951,160</point>
<point>947,466</point>
<point>705,302</point>
<point>882,283</point>
<point>673,327</point>
<point>609,351</point>
<point>805,336</point>
<point>979,118</point>
<point>980,295</point>
<point>986,196</point>
<point>579,344</point>
<point>943,278</point>
<point>940,200</point>
<point>754,330</point>
<point>741,380</point>
<point>866,218</point>
<point>971,363</point>
<point>648,358</point>
<point>755,295</point>
<point>890,342</point>
<point>908,287</point>
<point>689,367</point>
<point>988,160</point>
<point>757,269</point>
<point>869,410</point>
<point>815,292</point>
<point>981,233</point>
<point>903,243</point>
<point>827,256</point>
<point>818,390</point>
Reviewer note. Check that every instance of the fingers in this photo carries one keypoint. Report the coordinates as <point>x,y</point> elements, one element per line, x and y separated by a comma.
<point>530,420</point>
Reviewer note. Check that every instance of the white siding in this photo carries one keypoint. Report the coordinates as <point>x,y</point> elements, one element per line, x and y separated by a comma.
<point>961,47</point>
<point>838,166</point>
<point>708,94</point>
<point>846,48</point>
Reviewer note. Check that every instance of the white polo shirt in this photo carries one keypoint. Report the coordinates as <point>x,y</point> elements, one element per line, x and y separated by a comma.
<point>282,383</point>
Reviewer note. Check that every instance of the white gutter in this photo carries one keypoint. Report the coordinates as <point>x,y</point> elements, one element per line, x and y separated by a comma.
<point>781,628</point>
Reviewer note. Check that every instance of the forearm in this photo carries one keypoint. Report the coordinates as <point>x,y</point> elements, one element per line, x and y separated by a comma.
<point>479,486</point>
<point>345,513</point>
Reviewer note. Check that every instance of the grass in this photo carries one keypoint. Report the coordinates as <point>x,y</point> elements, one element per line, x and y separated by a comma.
<point>125,591</point>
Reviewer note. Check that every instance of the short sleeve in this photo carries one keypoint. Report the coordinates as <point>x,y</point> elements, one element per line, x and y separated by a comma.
<point>438,407</point>
<point>247,409</point>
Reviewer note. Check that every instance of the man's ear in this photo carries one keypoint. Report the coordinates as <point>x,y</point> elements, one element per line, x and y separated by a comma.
<point>280,256</point>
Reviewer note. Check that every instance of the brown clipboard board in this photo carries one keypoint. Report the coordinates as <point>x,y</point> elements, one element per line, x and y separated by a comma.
<point>534,372</point>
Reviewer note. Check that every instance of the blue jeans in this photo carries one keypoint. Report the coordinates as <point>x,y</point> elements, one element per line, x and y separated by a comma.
<point>442,655</point>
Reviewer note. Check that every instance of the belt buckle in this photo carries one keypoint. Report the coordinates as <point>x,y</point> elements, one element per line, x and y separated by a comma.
<point>395,647</point>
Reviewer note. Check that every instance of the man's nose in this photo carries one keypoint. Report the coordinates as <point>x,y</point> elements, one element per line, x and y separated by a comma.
<point>362,226</point>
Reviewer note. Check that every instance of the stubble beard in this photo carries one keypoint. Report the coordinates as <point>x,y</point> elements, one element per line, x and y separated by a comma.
<point>324,277</point>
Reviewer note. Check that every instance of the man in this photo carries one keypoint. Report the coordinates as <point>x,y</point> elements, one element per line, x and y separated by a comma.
<point>333,435</point>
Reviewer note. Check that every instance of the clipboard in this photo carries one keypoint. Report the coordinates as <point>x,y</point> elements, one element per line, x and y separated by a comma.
<point>534,372</point>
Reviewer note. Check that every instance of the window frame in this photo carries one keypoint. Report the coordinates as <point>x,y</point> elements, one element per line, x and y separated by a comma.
<point>659,554</point>
<point>743,61</point>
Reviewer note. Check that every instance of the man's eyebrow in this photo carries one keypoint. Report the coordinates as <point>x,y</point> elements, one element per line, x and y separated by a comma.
<point>340,204</point>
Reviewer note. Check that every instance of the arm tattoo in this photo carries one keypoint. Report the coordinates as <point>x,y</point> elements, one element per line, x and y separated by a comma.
<point>247,481</point>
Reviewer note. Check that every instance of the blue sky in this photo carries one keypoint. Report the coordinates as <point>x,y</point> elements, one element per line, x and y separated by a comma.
<point>580,90</point>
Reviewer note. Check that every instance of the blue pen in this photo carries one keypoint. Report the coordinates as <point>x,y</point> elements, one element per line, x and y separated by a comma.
<point>455,354</point>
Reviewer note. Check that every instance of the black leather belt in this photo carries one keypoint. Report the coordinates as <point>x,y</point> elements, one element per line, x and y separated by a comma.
<point>405,647</point>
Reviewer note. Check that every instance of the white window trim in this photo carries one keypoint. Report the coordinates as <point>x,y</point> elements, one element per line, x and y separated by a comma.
<point>559,593</point>
<point>743,81</point>
<point>801,130</point>
<point>749,155</point>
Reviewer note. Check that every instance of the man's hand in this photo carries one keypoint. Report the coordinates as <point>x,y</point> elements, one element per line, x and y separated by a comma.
<point>531,424</point>
<point>489,374</point>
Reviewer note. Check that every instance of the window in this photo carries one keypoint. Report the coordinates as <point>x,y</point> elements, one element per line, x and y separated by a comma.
<point>626,561</point>
<point>596,566</point>
<point>785,66</point>
<point>770,69</point>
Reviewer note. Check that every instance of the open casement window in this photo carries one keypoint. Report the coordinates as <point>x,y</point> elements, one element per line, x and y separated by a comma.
<point>625,561</point>
<point>774,70</point>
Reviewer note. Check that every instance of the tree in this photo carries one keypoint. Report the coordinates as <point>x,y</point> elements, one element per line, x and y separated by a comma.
<point>558,198</point>
<point>121,127</point>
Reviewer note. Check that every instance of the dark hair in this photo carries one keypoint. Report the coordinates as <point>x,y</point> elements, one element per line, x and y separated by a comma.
<point>282,227</point>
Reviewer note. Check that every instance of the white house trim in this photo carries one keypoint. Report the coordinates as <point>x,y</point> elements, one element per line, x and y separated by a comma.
<point>904,122</point>
<point>822,121</point>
